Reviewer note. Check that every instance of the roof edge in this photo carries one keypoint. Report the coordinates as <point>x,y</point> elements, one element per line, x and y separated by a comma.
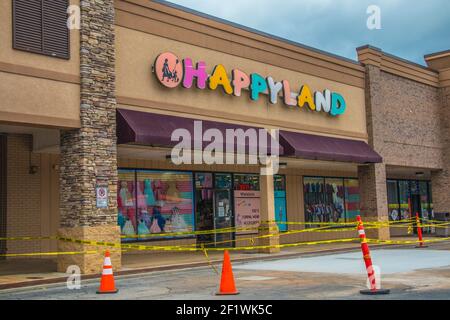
<point>254,31</point>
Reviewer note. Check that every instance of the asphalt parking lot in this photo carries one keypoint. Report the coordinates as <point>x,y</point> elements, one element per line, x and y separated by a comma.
<point>410,274</point>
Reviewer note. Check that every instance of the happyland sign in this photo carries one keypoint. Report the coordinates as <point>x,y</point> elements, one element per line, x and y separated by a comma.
<point>171,72</point>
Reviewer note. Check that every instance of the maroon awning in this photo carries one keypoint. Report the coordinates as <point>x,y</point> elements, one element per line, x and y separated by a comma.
<point>143,128</point>
<point>151,129</point>
<point>308,146</point>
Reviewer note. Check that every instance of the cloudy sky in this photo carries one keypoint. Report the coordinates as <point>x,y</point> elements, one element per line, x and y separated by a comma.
<point>409,28</point>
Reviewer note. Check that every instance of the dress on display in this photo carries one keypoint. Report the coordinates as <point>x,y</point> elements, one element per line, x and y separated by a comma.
<point>125,195</point>
<point>148,191</point>
<point>128,229</point>
<point>172,191</point>
<point>142,228</point>
<point>178,222</point>
<point>120,220</point>
<point>141,197</point>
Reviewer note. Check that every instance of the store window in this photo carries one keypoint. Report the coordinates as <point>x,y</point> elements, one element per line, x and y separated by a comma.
<point>246,182</point>
<point>330,199</point>
<point>352,199</point>
<point>393,200</point>
<point>154,202</point>
<point>405,196</point>
<point>314,199</point>
<point>126,203</point>
<point>280,202</point>
<point>404,199</point>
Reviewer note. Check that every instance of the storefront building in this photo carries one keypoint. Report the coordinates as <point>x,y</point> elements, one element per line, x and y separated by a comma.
<point>86,118</point>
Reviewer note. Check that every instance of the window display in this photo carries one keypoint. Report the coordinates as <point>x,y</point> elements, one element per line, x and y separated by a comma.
<point>404,199</point>
<point>393,203</point>
<point>314,199</point>
<point>330,199</point>
<point>153,202</point>
<point>400,196</point>
<point>352,199</point>
<point>126,203</point>
<point>280,202</point>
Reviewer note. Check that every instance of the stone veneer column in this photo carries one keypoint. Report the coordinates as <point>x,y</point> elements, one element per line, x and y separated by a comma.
<point>372,177</point>
<point>267,214</point>
<point>89,154</point>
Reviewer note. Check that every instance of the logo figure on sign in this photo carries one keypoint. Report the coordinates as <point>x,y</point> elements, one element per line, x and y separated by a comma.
<point>168,69</point>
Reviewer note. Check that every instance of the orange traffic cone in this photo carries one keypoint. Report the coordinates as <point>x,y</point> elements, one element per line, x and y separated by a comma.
<point>227,286</point>
<point>107,281</point>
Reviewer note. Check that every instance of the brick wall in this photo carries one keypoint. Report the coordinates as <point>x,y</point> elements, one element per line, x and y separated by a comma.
<point>409,131</point>
<point>441,179</point>
<point>24,195</point>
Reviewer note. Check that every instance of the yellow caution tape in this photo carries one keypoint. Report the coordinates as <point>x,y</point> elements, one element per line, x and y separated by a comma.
<point>46,253</point>
<point>209,260</point>
<point>29,238</point>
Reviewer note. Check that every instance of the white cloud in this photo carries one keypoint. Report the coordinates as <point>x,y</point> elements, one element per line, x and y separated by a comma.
<point>410,29</point>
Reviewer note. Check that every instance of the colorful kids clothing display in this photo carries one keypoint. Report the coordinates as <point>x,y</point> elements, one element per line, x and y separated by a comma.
<point>158,190</point>
<point>157,216</point>
<point>145,216</point>
<point>155,227</point>
<point>142,228</point>
<point>178,222</point>
<point>148,191</point>
<point>125,195</point>
<point>128,229</point>
<point>172,191</point>
<point>141,198</point>
<point>120,220</point>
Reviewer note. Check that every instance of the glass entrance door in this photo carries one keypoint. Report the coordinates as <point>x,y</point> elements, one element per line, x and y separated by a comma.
<point>223,217</point>
<point>204,208</point>
<point>214,209</point>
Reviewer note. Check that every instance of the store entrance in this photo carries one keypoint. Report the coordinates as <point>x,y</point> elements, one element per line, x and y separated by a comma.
<point>213,209</point>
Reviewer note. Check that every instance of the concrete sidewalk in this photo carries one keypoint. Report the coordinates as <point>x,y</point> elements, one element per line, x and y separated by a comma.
<point>22,272</point>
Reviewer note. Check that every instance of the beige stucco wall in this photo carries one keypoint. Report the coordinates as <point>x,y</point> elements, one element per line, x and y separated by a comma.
<point>37,89</point>
<point>25,99</point>
<point>10,55</point>
<point>136,52</point>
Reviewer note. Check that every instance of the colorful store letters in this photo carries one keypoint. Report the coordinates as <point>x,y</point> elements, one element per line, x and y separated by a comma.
<point>170,72</point>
